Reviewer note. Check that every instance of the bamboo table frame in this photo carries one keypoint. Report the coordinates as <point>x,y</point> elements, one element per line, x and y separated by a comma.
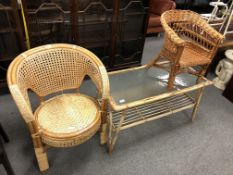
<point>133,113</point>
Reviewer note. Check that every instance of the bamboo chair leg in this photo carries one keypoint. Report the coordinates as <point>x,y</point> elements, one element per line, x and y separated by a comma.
<point>172,76</point>
<point>103,134</point>
<point>103,128</point>
<point>41,155</point>
<point>42,159</point>
<point>154,61</point>
<point>197,102</point>
<point>201,73</point>
<point>114,139</point>
<point>109,142</point>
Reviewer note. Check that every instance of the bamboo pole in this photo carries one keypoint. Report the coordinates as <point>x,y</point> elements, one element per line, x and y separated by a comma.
<point>25,26</point>
<point>156,117</point>
<point>117,107</point>
<point>198,100</point>
<point>117,132</point>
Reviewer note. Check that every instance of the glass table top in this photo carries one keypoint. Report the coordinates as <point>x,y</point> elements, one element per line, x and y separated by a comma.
<point>141,83</point>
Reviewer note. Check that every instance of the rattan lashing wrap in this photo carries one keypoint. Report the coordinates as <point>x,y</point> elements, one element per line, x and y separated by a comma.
<point>55,68</point>
<point>186,29</point>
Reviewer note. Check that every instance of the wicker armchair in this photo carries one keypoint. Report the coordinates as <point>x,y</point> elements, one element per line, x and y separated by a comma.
<point>66,119</point>
<point>188,42</point>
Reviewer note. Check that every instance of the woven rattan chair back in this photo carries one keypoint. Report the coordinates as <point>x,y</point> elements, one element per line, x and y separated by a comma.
<point>57,67</point>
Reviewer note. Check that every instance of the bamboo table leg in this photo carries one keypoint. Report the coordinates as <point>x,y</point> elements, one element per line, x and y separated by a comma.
<point>103,134</point>
<point>197,102</point>
<point>112,140</point>
<point>109,130</point>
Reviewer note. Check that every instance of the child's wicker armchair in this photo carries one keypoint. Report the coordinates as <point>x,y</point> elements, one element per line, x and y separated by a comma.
<point>189,41</point>
<point>67,119</point>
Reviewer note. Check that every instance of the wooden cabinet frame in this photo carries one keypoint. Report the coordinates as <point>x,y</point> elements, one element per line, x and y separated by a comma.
<point>111,23</point>
<point>11,37</point>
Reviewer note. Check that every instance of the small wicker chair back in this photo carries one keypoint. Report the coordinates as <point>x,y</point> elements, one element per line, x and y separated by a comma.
<point>188,29</point>
<point>189,41</point>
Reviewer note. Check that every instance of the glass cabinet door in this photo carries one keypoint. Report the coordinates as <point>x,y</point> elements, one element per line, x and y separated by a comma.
<point>94,20</point>
<point>11,37</point>
<point>130,32</point>
<point>49,21</point>
<point>112,29</point>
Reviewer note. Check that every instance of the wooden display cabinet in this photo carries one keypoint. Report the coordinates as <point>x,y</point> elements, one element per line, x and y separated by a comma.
<point>113,30</point>
<point>11,36</point>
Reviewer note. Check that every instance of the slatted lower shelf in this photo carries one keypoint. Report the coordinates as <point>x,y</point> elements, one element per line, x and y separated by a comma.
<point>152,111</point>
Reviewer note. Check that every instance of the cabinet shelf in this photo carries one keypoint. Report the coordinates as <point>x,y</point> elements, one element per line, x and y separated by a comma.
<point>5,8</point>
<point>7,30</point>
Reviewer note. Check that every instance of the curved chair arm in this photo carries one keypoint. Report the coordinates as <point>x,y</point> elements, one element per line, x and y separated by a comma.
<point>24,107</point>
<point>105,89</point>
<point>105,82</point>
<point>171,33</point>
<point>21,98</point>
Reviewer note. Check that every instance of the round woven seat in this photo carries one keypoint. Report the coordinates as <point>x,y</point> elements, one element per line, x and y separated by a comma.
<point>68,120</point>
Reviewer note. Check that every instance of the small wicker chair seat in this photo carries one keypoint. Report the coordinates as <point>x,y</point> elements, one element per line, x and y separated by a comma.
<point>68,120</point>
<point>191,57</point>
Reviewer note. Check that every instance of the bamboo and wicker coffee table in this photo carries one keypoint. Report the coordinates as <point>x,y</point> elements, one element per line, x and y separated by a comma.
<point>140,95</point>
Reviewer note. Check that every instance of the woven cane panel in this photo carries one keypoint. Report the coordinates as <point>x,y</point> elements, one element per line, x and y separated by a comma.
<point>67,114</point>
<point>57,69</point>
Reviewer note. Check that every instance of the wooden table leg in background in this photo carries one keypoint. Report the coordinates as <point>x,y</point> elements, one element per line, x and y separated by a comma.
<point>3,156</point>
